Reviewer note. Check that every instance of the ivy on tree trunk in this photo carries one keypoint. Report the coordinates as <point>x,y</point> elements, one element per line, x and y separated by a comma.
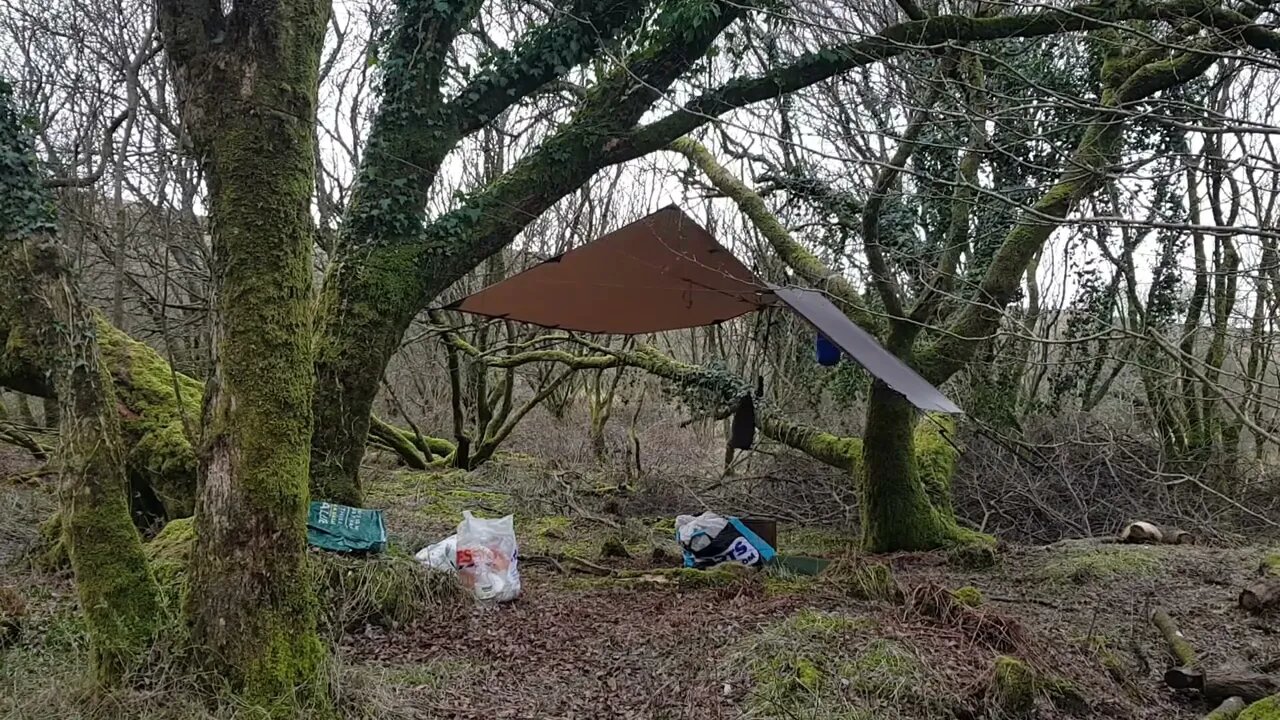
<point>117,592</point>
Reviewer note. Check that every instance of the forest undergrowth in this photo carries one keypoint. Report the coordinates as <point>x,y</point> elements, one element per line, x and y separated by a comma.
<point>609,625</point>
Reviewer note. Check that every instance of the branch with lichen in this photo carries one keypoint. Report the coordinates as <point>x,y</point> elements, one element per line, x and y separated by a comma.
<point>698,383</point>
<point>796,256</point>
<point>907,37</point>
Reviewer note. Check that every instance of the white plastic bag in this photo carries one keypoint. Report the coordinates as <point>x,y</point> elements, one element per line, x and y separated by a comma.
<point>441,556</point>
<point>695,533</point>
<point>486,558</point>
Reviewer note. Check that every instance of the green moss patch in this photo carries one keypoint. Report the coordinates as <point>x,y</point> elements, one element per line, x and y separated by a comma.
<point>969,596</point>
<point>1268,709</point>
<point>1270,565</point>
<point>1102,564</point>
<point>1013,687</point>
<point>814,542</point>
<point>1016,688</point>
<point>423,507</point>
<point>384,590</point>
<point>862,580</point>
<point>821,665</point>
<point>168,554</point>
<point>977,555</point>
<point>779,581</point>
<point>160,454</point>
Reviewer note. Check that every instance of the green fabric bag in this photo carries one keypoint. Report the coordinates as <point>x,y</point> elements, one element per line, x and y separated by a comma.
<point>345,529</point>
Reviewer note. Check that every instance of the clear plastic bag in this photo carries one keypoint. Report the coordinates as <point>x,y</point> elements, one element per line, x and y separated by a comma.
<point>487,558</point>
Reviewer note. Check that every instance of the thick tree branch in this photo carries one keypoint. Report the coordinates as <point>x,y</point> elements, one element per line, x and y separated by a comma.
<point>491,218</point>
<point>900,39</point>
<point>886,178</point>
<point>956,238</point>
<point>1084,173</point>
<point>723,390</point>
<point>547,54</point>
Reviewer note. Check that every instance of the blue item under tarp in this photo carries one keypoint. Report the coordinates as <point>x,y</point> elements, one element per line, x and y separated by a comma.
<point>828,353</point>
<point>735,543</point>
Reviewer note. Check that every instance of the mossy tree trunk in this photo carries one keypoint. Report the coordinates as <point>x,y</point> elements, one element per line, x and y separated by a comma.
<point>117,592</point>
<point>248,85</point>
<point>898,510</point>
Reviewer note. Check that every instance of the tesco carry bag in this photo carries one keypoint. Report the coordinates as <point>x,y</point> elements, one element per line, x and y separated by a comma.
<point>486,558</point>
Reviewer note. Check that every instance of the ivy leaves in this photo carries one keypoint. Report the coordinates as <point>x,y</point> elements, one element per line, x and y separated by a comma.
<point>26,208</point>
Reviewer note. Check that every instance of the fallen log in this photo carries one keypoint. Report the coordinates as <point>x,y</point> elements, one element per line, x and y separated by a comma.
<point>1147,533</point>
<point>1230,709</point>
<point>1141,532</point>
<point>1221,686</point>
<point>1179,648</point>
<point>1261,597</point>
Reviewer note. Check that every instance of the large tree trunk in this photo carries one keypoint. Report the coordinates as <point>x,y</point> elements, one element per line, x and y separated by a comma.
<point>899,510</point>
<point>252,606</point>
<point>249,100</point>
<point>117,593</point>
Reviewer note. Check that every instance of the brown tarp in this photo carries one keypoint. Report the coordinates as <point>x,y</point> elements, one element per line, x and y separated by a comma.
<point>665,272</point>
<point>662,272</point>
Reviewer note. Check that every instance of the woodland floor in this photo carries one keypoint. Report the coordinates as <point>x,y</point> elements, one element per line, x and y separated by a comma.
<point>656,645</point>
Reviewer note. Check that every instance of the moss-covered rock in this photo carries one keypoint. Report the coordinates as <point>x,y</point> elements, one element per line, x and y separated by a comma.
<point>1013,687</point>
<point>969,596</point>
<point>154,419</point>
<point>1266,709</point>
